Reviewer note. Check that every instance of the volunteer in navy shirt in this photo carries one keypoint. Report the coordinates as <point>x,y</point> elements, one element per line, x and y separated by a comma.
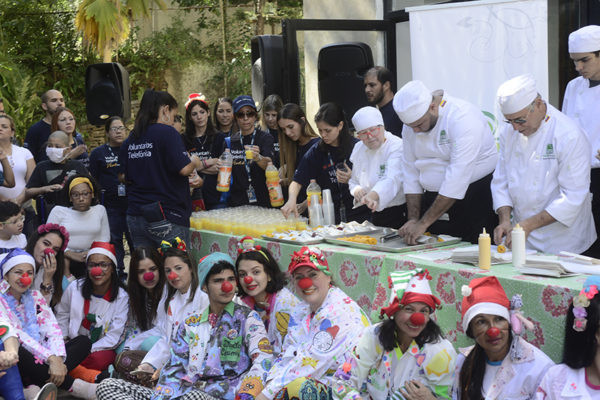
<point>105,168</point>
<point>156,166</point>
<point>323,162</point>
<point>204,141</point>
<point>249,185</point>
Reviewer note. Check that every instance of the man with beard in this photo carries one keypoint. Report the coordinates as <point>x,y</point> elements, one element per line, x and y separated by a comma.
<point>37,134</point>
<point>378,89</point>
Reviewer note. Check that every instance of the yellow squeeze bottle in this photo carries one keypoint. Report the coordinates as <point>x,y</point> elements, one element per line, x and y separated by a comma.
<point>485,250</point>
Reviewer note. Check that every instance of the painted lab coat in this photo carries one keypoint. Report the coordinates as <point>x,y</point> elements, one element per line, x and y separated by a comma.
<point>282,304</point>
<point>582,103</point>
<point>135,337</point>
<point>315,345</point>
<point>518,376</point>
<point>459,150</point>
<point>50,342</point>
<point>548,170</point>
<point>111,316</point>
<point>179,309</point>
<point>379,374</point>
<point>379,170</point>
<point>562,382</point>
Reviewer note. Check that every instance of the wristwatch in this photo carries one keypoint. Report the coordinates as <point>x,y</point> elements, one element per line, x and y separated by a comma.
<point>47,288</point>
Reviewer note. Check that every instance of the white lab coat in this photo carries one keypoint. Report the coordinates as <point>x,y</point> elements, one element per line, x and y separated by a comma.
<point>582,103</point>
<point>548,170</point>
<point>179,309</point>
<point>562,382</point>
<point>379,170</point>
<point>111,316</point>
<point>459,150</point>
<point>518,376</point>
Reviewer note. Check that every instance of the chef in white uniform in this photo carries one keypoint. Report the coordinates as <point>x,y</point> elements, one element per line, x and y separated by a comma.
<point>376,179</point>
<point>582,102</point>
<point>449,157</point>
<point>543,174</point>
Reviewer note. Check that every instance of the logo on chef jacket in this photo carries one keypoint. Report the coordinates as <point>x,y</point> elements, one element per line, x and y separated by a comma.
<point>549,154</point>
<point>381,171</point>
<point>443,137</point>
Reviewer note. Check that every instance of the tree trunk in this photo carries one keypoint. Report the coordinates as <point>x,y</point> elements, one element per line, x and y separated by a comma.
<point>260,18</point>
<point>223,7</point>
<point>106,54</point>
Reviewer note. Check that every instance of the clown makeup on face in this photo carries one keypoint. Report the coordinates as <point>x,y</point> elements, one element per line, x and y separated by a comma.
<point>253,279</point>
<point>220,288</point>
<point>178,274</point>
<point>147,273</point>
<point>311,285</point>
<point>19,278</point>
<point>411,320</point>
<point>492,333</point>
<point>100,269</point>
<point>50,240</point>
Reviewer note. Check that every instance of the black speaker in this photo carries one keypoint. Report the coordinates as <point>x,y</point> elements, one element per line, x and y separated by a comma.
<point>342,67</point>
<point>267,66</point>
<point>107,92</point>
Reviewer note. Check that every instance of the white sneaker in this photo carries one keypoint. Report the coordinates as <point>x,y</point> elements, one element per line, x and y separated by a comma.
<point>84,390</point>
<point>31,392</point>
<point>48,392</point>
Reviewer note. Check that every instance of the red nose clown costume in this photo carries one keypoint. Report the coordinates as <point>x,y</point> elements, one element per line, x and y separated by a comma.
<point>410,287</point>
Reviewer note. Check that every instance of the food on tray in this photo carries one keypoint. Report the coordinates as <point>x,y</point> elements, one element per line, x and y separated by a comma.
<point>501,248</point>
<point>323,231</point>
<point>363,239</point>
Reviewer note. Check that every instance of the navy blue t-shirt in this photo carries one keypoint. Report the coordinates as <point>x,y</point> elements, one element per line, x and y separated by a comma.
<point>391,122</point>
<point>276,160</point>
<point>36,137</point>
<point>240,181</point>
<point>300,152</point>
<point>317,164</point>
<point>105,167</point>
<point>203,149</point>
<point>151,165</point>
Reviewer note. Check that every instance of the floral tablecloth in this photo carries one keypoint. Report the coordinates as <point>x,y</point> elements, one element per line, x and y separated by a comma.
<point>362,274</point>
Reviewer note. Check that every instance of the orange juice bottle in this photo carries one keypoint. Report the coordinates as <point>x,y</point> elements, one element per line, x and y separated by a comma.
<point>313,189</point>
<point>275,192</point>
<point>224,177</point>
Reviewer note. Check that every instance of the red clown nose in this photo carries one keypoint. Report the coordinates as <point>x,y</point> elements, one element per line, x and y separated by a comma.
<point>172,276</point>
<point>149,276</point>
<point>48,251</point>
<point>96,271</point>
<point>417,319</point>
<point>25,279</point>
<point>305,283</point>
<point>226,287</point>
<point>248,279</point>
<point>493,332</point>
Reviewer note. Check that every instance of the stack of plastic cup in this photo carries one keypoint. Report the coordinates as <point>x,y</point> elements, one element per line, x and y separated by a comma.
<point>328,209</point>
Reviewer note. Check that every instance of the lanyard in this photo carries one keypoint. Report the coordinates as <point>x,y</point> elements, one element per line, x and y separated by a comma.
<point>246,163</point>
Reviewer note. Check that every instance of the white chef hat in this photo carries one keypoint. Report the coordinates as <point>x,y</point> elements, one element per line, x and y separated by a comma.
<point>366,117</point>
<point>412,101</point>
<point>516,94</point>
<point>585,40</point>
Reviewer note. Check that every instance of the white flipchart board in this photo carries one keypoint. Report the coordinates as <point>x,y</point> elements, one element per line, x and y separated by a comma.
<point>470,48</point>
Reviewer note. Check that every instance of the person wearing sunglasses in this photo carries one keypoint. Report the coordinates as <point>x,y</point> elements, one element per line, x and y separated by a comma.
<point>376,179</point>
<point>449,156</point>
<point>542,179</point>
<point>94,309</point>
<point>252,150</point>
<point>104,167</point>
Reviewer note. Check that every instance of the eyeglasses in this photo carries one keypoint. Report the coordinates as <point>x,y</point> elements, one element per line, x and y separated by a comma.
<point>244,115</point>
<point>117,129</point>
<point>104,265</point>
<point>81,195</point>
<point>15,221</point>
<point>521,120</point>
<point>368,133</point>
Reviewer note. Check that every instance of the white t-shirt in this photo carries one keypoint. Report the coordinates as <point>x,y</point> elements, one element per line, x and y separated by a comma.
<point>15,241</point>
<point>84,227</point>
<point>18,162</point>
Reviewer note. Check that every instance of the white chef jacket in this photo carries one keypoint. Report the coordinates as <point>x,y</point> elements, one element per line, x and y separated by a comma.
<point>459,150</point>
<point>562,382</point>
<point>379,170</point>
<point>548,170</point>
<point>582,103</point>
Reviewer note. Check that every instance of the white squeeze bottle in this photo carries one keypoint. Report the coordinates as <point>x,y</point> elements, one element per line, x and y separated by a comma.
<point>224,177</point>
<point>518,246</point>
<point>313,189</point>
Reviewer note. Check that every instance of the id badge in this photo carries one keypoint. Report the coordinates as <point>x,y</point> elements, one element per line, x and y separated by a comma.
<point>343,213</point>
<point>121,190</point>
<point>251,194</point>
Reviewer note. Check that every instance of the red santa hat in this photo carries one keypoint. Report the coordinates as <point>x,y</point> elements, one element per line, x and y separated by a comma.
<point>409,287</point>
<point>484,296</point>
<point>103,248</point>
